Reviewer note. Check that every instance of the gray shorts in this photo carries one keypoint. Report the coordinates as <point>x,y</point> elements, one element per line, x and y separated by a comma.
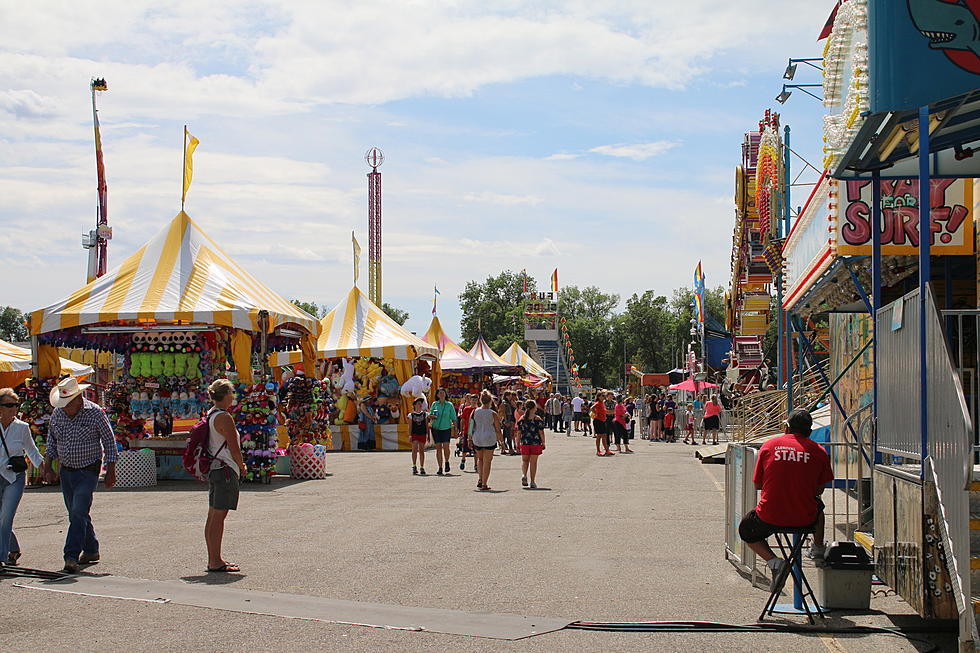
<point>223,489</point>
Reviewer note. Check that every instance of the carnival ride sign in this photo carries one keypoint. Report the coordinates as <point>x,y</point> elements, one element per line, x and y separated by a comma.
<point>951,216</point>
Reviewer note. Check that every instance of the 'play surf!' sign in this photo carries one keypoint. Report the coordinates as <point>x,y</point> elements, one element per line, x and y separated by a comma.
<point>951,216</point>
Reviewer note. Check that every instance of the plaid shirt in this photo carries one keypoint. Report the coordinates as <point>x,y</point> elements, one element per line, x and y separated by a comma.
<point>80,440</point>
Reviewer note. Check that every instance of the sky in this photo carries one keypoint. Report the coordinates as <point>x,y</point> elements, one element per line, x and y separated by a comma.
<point>598,137</point>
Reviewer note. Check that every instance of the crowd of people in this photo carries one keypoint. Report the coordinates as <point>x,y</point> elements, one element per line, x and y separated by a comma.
<point>515,421</point>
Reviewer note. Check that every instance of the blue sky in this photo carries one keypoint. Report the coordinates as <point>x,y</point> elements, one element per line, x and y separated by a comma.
<point>596,137</point>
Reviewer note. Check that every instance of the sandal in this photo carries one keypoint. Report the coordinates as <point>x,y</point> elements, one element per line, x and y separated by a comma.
<point>226,568</point>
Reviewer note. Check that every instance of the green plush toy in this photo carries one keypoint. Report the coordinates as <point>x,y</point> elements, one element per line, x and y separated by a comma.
<point>193,366</point>
<point>140,365</point>
<point>168,364</point>
<point>180,364</point>
<point>156,365</point>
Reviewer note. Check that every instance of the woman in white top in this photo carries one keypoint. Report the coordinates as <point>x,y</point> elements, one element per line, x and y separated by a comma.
<point>486,435</point>
<point>227,466</point>
<point>17,443</point>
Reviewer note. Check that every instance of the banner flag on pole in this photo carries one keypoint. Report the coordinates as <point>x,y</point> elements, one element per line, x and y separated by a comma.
<point>357,256</point>
<point>190,144</point>
<point>524,276</point>
<point>435,294</point>
<point>554,281</point>
<point>699,292</point>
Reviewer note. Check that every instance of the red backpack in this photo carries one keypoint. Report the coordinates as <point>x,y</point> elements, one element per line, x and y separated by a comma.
<point>197,454</point>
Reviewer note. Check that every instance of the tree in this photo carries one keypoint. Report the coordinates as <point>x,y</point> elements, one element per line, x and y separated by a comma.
<point>590,301</point>
<point>495,309</point>
<point>397,314</point>
<point>12,326</point>
<point>649,325</point>
<point>316,310</point>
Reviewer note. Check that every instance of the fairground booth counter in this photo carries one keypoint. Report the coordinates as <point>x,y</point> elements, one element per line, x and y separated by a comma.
<point>181,314</point>
<point>364,354</point>
<point>461,373</point>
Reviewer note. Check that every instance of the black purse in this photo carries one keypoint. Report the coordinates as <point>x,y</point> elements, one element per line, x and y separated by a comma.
<point>17,464</point>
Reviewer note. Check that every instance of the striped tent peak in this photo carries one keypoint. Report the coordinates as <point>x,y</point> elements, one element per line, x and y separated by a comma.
<point>454,357</point>
<point>14,358</point>
<point>516,355</point>
<point>482,351</point>
<point>358,327</point>
<point>179,274</point>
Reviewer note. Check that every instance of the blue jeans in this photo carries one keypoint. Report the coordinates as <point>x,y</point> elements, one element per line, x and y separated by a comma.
<point>366,436</point>
<point>10,494</point>
<point>77,486</point>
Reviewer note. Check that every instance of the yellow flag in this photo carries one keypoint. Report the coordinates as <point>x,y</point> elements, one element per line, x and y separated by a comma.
<point>190,144</point>
<point>357,257</point>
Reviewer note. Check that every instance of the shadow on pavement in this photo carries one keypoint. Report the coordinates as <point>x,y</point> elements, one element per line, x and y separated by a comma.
<point>214,578</point>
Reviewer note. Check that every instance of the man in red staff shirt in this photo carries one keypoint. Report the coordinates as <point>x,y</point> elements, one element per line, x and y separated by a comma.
<point>791,471</point>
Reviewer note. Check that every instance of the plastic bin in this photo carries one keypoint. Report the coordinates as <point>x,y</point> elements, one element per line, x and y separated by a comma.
<point>845,578</point>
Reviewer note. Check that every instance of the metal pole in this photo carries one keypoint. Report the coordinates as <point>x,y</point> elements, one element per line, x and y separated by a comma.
<point>875,292</point>
<point>925,273</point>
<point>784,362</point>
<point>789,366</point>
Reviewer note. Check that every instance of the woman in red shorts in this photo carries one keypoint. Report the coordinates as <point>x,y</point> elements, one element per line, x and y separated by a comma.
<point>531,428</point>
<point>598,413</point>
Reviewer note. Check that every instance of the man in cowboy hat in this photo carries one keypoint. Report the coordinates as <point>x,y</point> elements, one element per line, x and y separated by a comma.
<point>80,436</point>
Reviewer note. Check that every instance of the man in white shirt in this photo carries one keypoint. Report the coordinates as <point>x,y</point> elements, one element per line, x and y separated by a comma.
<point>577,417</point>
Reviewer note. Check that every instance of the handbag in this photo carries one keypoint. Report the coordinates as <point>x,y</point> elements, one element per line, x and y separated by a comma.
<point>16,464</point>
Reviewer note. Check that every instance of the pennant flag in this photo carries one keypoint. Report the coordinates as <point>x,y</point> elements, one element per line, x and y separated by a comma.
<point>357,256</point>
<point>190,144</point>
<point>829,25</point>
<point>554,281</point>
<point>524,275</point>
<point>435,295</point>
<point>698,299</point>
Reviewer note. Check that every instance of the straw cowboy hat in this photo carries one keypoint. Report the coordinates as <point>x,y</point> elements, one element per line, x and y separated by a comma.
<point>66,390</point>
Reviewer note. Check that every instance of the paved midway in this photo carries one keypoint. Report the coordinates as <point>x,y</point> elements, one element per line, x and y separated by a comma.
<point>627,538</point>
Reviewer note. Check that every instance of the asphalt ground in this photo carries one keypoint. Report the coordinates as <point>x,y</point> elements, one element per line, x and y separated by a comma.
<point>627,538</point>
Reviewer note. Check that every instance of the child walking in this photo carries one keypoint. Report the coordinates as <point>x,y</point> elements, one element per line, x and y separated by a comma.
<point>419,435</point>
<point>689,424</point>
<point>465,437</point>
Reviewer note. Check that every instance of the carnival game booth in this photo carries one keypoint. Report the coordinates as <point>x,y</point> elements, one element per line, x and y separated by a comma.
<point>362,352</point>
<point>461,372</point>
<point>181,313</point>
<point>536,376</point>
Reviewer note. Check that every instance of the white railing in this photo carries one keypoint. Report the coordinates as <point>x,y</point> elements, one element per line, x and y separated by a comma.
<point>897,331</point>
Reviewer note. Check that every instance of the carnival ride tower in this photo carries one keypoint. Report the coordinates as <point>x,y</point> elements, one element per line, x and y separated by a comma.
<point>374,158</point>
<point>96,241</point>
<point>543,338</point>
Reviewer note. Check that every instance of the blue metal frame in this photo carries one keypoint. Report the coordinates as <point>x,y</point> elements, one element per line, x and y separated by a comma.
<point>857,285</point>
<point>875,297</point>
<point>786,338</point>
<point>925,273</point>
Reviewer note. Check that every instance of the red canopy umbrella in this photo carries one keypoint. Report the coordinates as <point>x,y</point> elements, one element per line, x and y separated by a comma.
<point>688,384</point>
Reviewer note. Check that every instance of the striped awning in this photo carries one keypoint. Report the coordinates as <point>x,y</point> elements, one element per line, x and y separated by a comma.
<point>358,327</point>
<point>515,355</point>
<point>454,358</point>
<point>180,274</point>
<point>18,359</point>
<point>482,351</point>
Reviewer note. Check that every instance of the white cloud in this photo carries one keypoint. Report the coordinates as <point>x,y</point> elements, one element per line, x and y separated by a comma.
<point>636,151</point>
<point>502,199</point>
<point>562,156</point>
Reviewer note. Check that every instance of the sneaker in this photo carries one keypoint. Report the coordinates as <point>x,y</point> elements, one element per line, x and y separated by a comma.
<point>524,481</point>
<point>776,566</point>
<point>462,465</point>
<point>415,470</point>
<point>533,486</point>
<point>71,566</point>
<point>422,471</point>
<point>439,472</point>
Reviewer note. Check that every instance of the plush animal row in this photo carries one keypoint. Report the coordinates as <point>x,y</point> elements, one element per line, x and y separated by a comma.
<point>166,341</point>
<point>165,364</point>
<point>143,405</point>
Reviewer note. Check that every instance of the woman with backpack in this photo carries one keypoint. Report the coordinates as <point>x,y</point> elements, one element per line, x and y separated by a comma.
<point>227,466</point>
<point>487,434</point>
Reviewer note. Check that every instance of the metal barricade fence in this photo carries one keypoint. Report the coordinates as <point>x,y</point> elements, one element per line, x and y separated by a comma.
<point>897,328</point>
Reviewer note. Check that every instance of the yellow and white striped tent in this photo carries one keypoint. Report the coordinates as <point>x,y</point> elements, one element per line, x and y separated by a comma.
<point>481,350</point>
<point>357,327</point>
<point>15,365</point>
<point>515,355</point>
<point>180,274</point>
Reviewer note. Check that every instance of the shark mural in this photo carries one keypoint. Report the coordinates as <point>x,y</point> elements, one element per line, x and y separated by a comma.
<point>952,26</point>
